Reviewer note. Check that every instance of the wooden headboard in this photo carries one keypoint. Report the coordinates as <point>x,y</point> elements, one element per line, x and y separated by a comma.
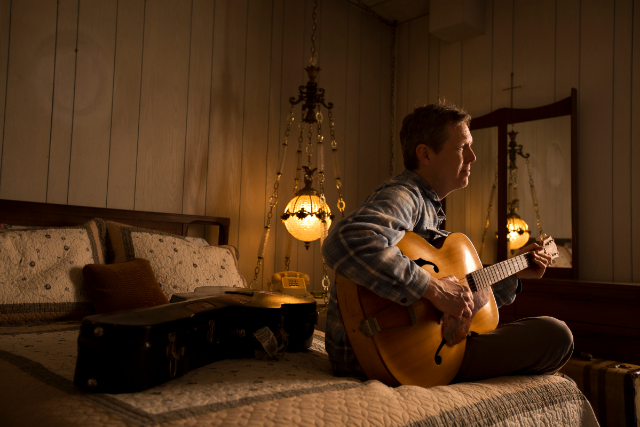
<point>16,212</point>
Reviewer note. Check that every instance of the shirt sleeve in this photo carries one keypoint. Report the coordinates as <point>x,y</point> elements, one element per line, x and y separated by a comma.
<point>361,247</point>
<point>505,290</point>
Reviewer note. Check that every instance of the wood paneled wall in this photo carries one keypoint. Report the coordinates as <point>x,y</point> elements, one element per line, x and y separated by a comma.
<point>181,106</point>
<point>551,46</point>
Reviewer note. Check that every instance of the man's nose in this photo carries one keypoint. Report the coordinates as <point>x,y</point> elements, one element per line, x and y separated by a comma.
<point>471,156</point>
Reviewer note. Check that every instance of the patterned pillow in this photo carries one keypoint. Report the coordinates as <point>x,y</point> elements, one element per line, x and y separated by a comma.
<point>41,271</point>
<point>179,265</point>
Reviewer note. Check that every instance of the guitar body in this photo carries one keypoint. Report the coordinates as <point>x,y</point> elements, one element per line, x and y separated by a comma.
<point>404,345</point>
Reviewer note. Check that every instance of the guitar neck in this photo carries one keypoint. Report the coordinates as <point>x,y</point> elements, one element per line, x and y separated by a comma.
<point>486,277</point>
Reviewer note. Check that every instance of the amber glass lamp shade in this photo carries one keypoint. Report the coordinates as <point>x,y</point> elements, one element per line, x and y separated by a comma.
<point>304,216</point>
<point>517,231</point>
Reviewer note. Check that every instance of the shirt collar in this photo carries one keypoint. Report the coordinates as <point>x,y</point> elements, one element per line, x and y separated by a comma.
<point>433,196</point>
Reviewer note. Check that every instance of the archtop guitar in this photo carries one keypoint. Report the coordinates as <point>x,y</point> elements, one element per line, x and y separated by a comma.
<point>418,344</point>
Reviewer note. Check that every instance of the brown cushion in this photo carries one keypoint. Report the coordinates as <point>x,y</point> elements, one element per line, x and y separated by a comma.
<point>123,286</point>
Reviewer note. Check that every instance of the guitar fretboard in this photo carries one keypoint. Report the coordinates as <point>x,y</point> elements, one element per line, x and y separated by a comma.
<point>486,277</point>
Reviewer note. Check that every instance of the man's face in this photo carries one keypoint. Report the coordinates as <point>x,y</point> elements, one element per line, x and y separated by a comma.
<point>452,165</point>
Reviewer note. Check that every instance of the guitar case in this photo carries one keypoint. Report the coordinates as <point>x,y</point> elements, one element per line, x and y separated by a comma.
<point>133,350</point>
<point>612,388</point>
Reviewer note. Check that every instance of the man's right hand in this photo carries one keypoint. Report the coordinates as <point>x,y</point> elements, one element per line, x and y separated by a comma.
<point>450,297</point>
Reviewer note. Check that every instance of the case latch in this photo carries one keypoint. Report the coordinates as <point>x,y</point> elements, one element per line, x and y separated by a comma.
<point>174,354</point>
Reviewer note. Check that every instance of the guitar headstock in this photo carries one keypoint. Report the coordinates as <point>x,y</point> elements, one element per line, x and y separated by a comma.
<point>549,246</point>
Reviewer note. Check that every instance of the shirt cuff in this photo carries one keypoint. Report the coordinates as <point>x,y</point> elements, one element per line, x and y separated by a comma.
<point>417,287</point>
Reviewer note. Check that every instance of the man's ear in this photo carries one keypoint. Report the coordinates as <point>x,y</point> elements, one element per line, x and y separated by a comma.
<point>424,154</point>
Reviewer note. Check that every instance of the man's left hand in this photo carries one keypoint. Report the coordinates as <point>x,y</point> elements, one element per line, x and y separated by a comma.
<point>541,261</point>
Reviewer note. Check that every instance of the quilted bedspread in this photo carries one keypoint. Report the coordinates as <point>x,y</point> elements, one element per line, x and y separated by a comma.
<point>36,388</point>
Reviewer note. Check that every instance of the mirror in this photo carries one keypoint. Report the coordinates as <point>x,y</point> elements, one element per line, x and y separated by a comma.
<point>548,144</point>
<point>548,136</point>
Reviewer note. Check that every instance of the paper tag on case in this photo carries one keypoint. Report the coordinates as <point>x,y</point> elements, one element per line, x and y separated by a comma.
<point>268,341</point>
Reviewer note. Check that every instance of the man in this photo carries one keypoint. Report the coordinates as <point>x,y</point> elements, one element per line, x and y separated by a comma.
<point>436,147</point>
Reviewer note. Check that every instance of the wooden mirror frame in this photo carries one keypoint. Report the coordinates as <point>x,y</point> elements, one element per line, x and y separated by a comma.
<point>501,119</point>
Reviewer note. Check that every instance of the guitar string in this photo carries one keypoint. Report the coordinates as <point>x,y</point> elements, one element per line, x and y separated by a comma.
<point>485,277</point>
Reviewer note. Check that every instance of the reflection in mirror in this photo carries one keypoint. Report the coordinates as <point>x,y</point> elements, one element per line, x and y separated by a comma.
<point>548,134</point>
<point>548,143</point>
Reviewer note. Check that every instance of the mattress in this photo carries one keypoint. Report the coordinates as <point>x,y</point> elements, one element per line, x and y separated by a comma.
<point>36,387</point>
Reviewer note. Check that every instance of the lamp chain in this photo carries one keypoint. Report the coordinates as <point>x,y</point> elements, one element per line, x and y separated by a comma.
<point>309,148</point>
<point>326,282</point>
<point>287,251</point>
<point>299,156</point>
<point>320,150</point>
<point>325,275</point>
<point>323,199</point>
<point>336,168</point>
<point>486,223</point>
<point>273,201</point>
<point>534,198</point>
<point>314,55</point>
<point>512,196</point>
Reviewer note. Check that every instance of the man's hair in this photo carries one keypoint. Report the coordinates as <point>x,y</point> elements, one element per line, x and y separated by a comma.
<point>428,125</point>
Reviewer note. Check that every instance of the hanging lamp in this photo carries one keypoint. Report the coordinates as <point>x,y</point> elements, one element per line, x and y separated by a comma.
<point>307,216</point>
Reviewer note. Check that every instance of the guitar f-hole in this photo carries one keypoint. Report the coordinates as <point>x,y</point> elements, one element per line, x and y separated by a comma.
<point>438,358</point>
<point>422,262</point>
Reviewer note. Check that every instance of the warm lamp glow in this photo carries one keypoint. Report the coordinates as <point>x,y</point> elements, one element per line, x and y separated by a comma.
<point>517,231</point>
<point>307,217</point>
<point>304,217</point>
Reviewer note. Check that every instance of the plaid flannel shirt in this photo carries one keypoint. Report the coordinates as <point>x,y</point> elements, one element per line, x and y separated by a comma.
<point>361,247</point>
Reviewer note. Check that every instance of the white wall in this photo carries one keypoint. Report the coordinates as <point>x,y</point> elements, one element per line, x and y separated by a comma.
<point>552,46</point>
<point>180,106</point>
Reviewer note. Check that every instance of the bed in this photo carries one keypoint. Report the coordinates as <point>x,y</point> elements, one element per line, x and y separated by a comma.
<point>37,361</point>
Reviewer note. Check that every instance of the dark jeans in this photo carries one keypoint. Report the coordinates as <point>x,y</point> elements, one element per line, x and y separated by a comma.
<point>531,346</point>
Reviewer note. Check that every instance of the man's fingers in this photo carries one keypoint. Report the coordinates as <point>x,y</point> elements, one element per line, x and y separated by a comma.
<point>453,279</point>
<point>529,248</point>
<point>541,258</point>
<point>452,297</point>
